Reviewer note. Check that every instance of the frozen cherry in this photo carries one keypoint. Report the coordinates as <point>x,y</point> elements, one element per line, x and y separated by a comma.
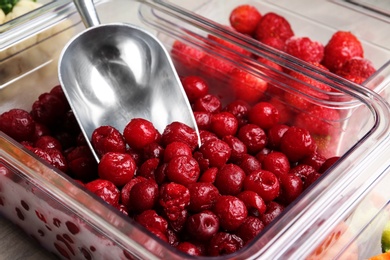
<point>177,131</point>
<point>173,199</point>
<point>253,137</point>
<point>139,132</point>
<point>18,124</point>
<point>208,103</point>
<point>291,187</point>
<point>183,170</point>
<point>48,142</point>
<point>249,163</point>
<point>251,227</point>
<point>125,191</point>
<point>82,163</point>
<point>105,190</point>
<point>143,195</point>
<point>107,139</point>
<point>202,196</point>
<point>152,150</point>
<point>176,149</point>
<point>264,114</point>
<point>148,168</point>
<point>231,212</point>
<point>230,179</point>
<point>48,109</point>
<point>239,109</point>
<point>296,143</point>
<point>223,124</point>
<point>189,249</point>
<point>217,152</point>
<point>264,183</point>
<point>275,134</point>
<point>274,209</point>
<point>203,225</point>
<point>203,120</point>
<point>195,87</point>
<point>276,162</point>
<point>237,146</point>
<point>119,168</point>
<point>224,243</point>
<point>253,202</point>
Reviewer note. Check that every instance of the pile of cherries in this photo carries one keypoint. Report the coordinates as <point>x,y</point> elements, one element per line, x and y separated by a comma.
<point>209,200</point>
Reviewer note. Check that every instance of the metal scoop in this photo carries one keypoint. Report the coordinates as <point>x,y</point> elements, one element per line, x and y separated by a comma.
<point>112,73</point>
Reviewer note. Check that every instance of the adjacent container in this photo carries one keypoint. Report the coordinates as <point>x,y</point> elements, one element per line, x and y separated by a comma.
<point>73,223</point>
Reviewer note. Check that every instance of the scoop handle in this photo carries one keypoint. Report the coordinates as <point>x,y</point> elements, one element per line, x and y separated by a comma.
<point>87,11</point>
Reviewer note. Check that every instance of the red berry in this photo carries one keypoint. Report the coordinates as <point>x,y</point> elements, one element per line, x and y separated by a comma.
<point>209,175</point>
<point>249,163</point>
<point>315,160</point>
<point>264,183</point>
<point>272,25</point>
<point>125,191</point>
<point>48,142</point>
<point>253,137</point>
<point>264,114</point>
<point>179,132</point>
<point>18,124</point>
<point>151,220</point>
<point>246,86</point>
<point>82,164</point>
<point>48,109</point>
<point>183,170</point>
<point>215,67</point>
<point>297,143</point>
<point>231,212</point>
<point>203,225</point>
<point>274,209</point>
<point>277,163</point>
<point>239,109</point>
<point>203,119</point>
<point>217,152</point>
<point>223,124</point>
<point>186,57</point>
<point>203,196</point>
<point>238,148</point>
<point>253,202</point>
<point>107,139</point>
<point>175,149</point>
<point>302,171</point>
<point>328,163</point>
<point>341,47</point>
<point>230,179</point>
<point>358,67</point>
<point>105,190</point>
<point>251,227</point>
<point>291,187</point>
<point>189,249</point>
<point>225,47</point>
<point>144,195</point>
<point>153,150</point>
<point>275,134</point>
<point>195,87</point>
<point>140,132</point>
<point>319,120</point>
<point>173,199</point>
<point>305,49</point>
<point>223,243</point>
<point>208,103</point>
<point>244,18</point>
<point>119,168</point>
<point>274,42</point>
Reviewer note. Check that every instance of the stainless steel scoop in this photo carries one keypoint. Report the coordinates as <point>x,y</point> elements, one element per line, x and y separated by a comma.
<point>112,73</point>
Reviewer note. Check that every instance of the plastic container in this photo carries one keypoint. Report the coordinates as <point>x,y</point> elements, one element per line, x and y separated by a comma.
<point>73,223</point>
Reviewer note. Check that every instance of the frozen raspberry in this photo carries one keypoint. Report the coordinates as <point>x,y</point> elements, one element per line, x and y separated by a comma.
<point>305,49</point>
<point>107,139</point>
<point>203,196</point>
<point>186,57</point>
<point>183,170</point>
<point>225,47</point>
<point>264,183</point>
<point>231,212</point>
<point>230,179</point>
<point>223,243</point>
<point>195,87</point>
<point>177,131</point>
<point>340,48</point>
<point>273,25</point>
<point>174,198</point>
<point>253,137</point>
<point>244,19</point>
<point>18,124</point>
<point>296,143</point>
<point>358,67</point>
<point>212,66</point>
<point>140,132</point>
<point>203,225</point>
<point>105,190</point>
<point>319,120</point>
<point>119,168</point>
<point>246,86</point>
<point>217,152</point>
<point>274,42</point>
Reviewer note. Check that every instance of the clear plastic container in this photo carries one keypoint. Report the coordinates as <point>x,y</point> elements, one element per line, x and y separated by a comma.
<point>73,223</point>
